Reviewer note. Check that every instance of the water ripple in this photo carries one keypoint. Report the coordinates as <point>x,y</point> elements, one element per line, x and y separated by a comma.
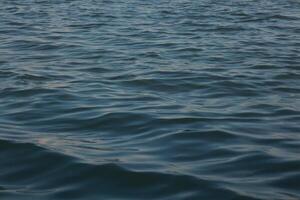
<point>149,99</point>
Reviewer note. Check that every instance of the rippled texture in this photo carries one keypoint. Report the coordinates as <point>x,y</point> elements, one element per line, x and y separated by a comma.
<point>156,99</point>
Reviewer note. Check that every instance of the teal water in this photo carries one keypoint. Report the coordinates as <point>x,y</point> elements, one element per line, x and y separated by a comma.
<point>157,99</point>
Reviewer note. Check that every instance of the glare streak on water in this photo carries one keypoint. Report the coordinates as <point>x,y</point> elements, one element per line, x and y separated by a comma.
<point>131,99</point>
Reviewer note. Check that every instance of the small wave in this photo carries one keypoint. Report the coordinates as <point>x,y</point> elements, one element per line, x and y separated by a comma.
<point>32,170</point>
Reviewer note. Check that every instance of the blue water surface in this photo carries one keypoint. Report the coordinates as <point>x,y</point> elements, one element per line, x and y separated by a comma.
<point>150,99</point>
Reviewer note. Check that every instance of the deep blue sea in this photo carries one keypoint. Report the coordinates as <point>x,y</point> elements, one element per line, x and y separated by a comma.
<point>150,99</point>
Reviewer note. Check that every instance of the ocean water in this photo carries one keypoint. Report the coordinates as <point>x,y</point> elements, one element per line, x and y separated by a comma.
<point>150,99</point>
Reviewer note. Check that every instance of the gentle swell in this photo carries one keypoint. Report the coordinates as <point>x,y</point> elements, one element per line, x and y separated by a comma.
<point>34,172</point>
<point>132,99</point>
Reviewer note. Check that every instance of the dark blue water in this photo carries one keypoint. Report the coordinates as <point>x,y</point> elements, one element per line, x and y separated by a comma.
<point>156,99</point>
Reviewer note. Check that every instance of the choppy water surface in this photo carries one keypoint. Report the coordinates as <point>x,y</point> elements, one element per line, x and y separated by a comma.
<point>158,99</point>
